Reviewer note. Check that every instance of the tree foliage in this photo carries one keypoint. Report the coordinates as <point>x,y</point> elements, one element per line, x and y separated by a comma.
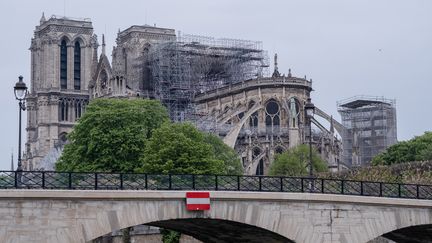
<point>180,148</point>
<point>232,163</point>
<point>111,135</point>
<point>295,161</point>
<point>417,149</point>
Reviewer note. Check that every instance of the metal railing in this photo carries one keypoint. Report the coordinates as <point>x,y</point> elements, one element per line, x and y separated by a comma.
<point>135,181</point>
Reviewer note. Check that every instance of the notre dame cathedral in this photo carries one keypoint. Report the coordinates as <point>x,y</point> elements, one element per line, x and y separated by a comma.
<point>221,85</point>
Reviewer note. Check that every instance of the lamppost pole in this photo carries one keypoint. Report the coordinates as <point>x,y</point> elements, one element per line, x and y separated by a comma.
<point>309,112</point>
<point>310,148</point>
<point>19,167</point>
<point>20,91</point>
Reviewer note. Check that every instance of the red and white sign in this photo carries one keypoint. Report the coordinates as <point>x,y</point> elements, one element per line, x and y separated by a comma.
<point>197,201</point>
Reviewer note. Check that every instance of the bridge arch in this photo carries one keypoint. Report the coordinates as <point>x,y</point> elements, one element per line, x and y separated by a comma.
<point>219,230</point>
<point>405,228</point>
<point>239,221</point>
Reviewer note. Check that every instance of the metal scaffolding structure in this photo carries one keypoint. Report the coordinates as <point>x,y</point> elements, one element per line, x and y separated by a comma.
<point>195,64</point>
<point>370,127</point>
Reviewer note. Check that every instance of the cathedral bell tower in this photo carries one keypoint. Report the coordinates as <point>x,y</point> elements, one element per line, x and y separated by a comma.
<point>62,54</point>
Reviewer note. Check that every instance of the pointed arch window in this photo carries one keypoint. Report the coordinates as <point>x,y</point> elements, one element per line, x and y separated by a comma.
<point>253,120</point>
<point>63,65</point>
<point>63,110</point>
<point>77,66</point>
<point>272,119</point>
<point>78,109</point>
<point>256,152</point>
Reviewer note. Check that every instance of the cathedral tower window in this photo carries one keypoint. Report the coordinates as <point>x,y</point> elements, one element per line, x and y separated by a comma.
<point>78,109</point>
<point>77,66</point>
<point>63,65</point>
<point>64,109</point>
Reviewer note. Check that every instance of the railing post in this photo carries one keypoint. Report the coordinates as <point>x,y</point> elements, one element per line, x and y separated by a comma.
<point>70,180</point>
<point>121,181</point>
<point>170,182</point>
<point>216,183</point>
<point>322,186</point>
<point>193,182</point>
<point>399,190</point>
<point>417,192</point>
<point>281,184</point>
<point>238,183</point>
<point>96,181</point>
<point>302,184</point>
<point>145,182</point>
<point>342,186</point>
<point>361,188</point>
<point>381,187</point>
<point>43,179</point>
<point>259,183</point>
<point>16,179</point>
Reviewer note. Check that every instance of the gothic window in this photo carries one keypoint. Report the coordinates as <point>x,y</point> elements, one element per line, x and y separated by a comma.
<point>117,84</point>
<point>103,79</point>
<point>260,168</point>
<point>272,119</point>
<point>63,110</point>
<point>253,120</point>
<point>63,65</point>
<point>78,109</point>
<point>77,66</point>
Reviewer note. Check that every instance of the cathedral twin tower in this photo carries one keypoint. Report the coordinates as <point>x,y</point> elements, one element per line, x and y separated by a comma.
<point>66,72</point>
<point>63,56</point>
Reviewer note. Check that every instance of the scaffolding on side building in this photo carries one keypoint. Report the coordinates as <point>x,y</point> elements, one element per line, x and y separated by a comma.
<point>370,127</point>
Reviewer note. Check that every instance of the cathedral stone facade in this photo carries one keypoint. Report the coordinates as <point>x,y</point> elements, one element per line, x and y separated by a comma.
<point>259,116</point>
<point>263,117</point>
<point>63,53</point>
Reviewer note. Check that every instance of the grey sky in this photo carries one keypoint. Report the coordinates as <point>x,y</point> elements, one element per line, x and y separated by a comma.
<point>348,47</point>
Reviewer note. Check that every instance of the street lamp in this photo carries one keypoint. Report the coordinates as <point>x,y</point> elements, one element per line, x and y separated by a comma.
<point>20,91</point>
<point>309,113</point>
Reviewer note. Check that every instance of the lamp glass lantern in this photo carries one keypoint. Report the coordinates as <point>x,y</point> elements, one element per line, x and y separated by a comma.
<point>20,89</point>
<point>309,108</point>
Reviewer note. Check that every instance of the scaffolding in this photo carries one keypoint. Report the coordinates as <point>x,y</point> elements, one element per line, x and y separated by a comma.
<point>194,64</point>
<point>370,127</point>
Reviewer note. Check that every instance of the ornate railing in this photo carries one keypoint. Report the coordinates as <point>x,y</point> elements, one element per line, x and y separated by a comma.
<point>134,181</point>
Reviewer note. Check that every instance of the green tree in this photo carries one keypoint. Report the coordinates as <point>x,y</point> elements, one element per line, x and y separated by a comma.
<point>223,152</point>
<point>417,149</point>
<point>295,161</point>
<point>180,148</point>
<point>111,135</point>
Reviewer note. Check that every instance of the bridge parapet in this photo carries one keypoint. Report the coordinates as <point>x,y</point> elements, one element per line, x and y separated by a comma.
<point>83,215</point>
<point>135,181</point>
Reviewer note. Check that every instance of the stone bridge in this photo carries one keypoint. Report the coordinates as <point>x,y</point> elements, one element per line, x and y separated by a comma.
<point>83,215</point>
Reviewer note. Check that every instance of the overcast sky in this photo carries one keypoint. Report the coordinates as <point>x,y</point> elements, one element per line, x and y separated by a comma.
<point>348,47</point>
